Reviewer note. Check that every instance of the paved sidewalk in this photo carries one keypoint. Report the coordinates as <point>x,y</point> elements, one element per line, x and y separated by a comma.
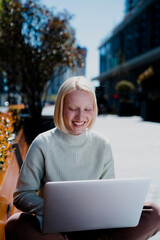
<point>136,149</point>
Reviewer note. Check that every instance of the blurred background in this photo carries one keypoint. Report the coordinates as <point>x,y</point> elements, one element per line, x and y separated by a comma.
<point>115,44</point>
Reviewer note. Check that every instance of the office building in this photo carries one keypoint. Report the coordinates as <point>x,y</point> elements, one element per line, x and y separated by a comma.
<point>132,50</point>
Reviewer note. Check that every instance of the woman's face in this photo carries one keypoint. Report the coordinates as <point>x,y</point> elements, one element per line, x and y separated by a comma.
<point>78,111</point>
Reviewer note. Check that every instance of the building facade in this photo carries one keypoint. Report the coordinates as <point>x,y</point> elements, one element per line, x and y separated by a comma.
<point>132,48</point>
<point>130,5</point>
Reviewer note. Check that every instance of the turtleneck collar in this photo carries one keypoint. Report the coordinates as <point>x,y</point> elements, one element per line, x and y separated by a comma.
<point>74,140</point>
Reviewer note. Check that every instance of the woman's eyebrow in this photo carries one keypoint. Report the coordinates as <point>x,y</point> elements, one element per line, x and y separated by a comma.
<point>73,105</point>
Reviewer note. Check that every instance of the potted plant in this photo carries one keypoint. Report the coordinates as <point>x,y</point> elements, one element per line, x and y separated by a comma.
<point>125,105</point>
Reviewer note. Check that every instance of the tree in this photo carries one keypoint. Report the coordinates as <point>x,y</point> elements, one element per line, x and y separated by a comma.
<point>34,43</point>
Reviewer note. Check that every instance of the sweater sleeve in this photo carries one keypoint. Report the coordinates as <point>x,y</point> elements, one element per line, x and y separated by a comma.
<point>29,181</point>
<point>108,168</point>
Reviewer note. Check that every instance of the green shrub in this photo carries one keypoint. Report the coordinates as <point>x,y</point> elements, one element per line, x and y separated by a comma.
<point>124,87</point>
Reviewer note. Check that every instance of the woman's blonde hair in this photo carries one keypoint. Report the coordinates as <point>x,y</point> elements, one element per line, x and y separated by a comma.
<point>71,84</point>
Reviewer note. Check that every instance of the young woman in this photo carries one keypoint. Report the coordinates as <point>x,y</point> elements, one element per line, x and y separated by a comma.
<point>70,151</point>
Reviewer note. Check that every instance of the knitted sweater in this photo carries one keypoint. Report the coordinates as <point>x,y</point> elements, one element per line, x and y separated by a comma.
<point>56,156</point>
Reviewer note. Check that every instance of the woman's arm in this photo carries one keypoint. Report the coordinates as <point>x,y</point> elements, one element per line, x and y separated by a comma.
<point>29,181</point>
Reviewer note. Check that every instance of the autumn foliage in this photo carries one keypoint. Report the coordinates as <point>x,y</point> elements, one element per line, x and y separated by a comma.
<point>7,121</point>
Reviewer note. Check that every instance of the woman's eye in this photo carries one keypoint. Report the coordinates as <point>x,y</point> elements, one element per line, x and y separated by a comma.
<point>72,109</point>
<point>87,109</point>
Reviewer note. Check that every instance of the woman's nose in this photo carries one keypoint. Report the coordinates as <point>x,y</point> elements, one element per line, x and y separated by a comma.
<point>79,114</point>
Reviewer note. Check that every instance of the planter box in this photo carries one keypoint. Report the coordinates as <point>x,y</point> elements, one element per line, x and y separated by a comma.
<point>125,109</point>
<point>150,110</point>
<point>8,179</point>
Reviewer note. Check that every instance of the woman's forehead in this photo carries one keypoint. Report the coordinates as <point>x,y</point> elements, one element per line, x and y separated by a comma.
<point>79,95</point>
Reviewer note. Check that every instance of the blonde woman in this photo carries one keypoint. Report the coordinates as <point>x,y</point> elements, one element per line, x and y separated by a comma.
<point>70,151</point>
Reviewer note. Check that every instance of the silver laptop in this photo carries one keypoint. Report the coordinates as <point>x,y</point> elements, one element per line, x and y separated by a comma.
<point>93,204</point>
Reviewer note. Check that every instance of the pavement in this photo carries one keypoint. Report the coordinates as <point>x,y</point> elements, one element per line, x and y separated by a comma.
<point>136,149</point>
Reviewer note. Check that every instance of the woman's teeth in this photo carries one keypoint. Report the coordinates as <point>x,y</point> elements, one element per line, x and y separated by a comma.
<point>78,123</point>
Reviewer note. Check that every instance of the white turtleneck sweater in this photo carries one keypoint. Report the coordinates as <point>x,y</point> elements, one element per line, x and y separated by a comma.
<point>56,156</point>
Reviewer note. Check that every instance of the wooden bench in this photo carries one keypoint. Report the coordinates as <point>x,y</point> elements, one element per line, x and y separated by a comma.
<point>9,180</point>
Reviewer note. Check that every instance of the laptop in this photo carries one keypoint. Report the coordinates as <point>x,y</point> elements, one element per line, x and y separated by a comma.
<point>93,204</point>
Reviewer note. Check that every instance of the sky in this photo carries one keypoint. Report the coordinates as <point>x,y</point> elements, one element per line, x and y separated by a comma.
<point>93,21</point>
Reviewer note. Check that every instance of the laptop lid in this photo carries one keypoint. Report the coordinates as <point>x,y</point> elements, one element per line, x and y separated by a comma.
<point>93,204</point>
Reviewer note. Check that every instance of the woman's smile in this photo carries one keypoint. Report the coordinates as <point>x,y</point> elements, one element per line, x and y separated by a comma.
<point>78,123</point>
